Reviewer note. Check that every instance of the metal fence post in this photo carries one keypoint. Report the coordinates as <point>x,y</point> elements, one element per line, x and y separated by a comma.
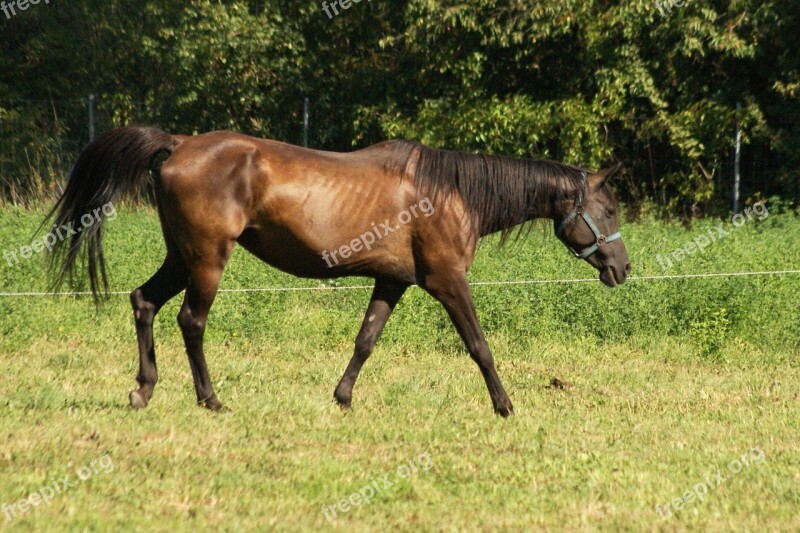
<point>736,160</point>
<point>91,117</point>
<point>305,121</point>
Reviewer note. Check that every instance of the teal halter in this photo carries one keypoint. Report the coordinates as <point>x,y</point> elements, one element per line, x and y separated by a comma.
<point>600,239</point>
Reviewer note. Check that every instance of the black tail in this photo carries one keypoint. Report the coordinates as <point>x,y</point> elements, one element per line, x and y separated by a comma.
<point>113,164</point>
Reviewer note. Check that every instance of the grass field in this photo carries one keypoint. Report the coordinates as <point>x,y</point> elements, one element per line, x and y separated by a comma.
<point>668,381</point>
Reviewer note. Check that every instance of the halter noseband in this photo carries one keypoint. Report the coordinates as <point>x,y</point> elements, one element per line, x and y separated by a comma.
<point>600,239</point>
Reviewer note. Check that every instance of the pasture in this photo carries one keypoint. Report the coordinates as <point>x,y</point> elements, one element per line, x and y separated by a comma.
<point>661,383</point>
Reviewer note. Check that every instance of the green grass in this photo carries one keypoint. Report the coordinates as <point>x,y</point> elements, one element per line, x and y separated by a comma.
<point>670,380</point>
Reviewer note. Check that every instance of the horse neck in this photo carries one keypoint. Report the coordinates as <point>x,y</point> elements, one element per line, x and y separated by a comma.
<point>540,209</point>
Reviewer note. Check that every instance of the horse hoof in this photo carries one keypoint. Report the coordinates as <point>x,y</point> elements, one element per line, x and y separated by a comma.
<point>212,404</point>
<point>504,410</point>
<point>137,399</point>
<point>342,402</point>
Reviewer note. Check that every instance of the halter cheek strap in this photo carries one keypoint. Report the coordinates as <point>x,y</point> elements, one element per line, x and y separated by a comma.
<point>578,211</point>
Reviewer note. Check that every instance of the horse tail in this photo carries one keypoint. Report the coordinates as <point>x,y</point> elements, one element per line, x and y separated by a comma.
<point>115,163</point>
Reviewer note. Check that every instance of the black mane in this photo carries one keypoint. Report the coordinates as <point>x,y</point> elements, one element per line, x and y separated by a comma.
<point>499,192</point>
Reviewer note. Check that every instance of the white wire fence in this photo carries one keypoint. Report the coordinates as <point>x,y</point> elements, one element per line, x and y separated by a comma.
<point>473,284</point>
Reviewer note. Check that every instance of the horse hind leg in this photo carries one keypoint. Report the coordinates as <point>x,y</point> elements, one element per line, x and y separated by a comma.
<point>204,278</point>
<point>384,298</point>
<point>146,301</point>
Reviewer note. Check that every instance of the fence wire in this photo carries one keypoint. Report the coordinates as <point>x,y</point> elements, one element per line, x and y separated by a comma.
<point>334,288</point>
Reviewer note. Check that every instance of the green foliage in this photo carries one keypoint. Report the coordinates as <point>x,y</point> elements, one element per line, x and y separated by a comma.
<point>716,314</point>
<point>37,162</point>
<point>222,67</point>
<point>585,82</point>
<point>589,83</point>
<point>711,333</point>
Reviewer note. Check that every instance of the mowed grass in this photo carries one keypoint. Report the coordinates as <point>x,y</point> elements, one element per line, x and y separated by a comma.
<point>667,382</point>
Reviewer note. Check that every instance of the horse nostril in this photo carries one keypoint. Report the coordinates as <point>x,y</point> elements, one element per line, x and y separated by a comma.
<point>627,269</point>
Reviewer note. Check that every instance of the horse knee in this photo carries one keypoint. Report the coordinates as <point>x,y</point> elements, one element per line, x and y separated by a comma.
<point>191,325</point>
<point>143,311</point>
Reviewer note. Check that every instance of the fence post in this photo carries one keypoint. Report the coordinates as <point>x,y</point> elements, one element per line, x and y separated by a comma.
<point>91,117</point>
<point>736,161</point>
<point>305,121</point>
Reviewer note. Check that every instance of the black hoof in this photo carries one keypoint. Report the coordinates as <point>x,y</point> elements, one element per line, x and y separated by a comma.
<point>212,404</point>
<point>342,400</point>
<point>504,410</point>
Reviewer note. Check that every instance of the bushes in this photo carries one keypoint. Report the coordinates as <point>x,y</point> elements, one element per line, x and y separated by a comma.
<point>580,81</point>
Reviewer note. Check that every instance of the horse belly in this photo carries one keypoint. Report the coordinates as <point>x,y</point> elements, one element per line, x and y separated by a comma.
<point>285,250</point>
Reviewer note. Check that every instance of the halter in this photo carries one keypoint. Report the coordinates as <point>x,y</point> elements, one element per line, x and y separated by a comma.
<point>600,239</point>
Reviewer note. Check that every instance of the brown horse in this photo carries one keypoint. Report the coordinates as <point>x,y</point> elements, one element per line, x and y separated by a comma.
<point>398,211</point>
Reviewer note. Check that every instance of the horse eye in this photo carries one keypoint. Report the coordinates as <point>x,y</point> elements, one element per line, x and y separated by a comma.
<point>610,211</point>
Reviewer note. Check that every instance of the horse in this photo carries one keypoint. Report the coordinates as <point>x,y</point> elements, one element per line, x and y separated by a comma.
<point>319,214</point>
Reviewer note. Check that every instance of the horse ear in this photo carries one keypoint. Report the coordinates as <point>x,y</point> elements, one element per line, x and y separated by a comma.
<point>602,176</point>
<point>610,171</point>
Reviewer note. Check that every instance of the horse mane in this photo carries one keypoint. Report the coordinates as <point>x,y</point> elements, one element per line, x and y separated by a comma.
<point>499,192</point>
